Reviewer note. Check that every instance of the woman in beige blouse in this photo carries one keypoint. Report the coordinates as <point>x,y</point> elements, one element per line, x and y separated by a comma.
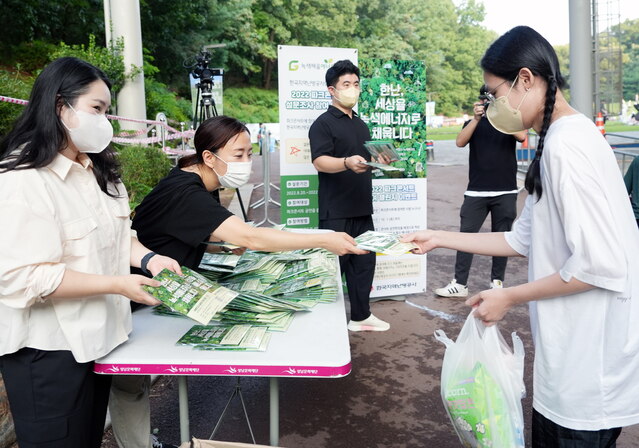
<point>66,246</point>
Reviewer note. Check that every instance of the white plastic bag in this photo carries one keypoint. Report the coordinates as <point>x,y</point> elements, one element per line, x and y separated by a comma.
<point>482,385</point>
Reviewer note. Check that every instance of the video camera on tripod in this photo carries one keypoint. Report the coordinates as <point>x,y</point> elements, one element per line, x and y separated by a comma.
<point>205,104</point>
<point>201,70</point>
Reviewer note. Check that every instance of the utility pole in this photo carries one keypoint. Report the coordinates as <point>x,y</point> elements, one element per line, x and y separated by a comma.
<point>581,67</point>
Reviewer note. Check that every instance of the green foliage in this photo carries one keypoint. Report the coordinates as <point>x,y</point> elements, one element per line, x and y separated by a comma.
<point>251,105</point>
<point>628,35</point>
<point>34,55</point>
<point>142,168</point>
<point>16,86</point>
<point>174,31</point>
<point>109,60</point>
<point>49,21</point>
<point>159,98</point>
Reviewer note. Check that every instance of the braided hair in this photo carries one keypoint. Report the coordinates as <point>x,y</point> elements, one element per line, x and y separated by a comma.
<point>524,47</point>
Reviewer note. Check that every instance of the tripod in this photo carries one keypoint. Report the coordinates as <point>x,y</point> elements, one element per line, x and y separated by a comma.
<point>205,103</point>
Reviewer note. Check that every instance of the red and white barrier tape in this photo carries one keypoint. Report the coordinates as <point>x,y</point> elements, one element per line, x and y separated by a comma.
<point>174,133</point>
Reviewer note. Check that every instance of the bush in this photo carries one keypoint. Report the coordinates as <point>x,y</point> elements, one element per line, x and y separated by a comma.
<point>252,105</point>
<point>142,168</point>
<point>109,60</point>
<point>160,99</point>
<point>33,56</point>
<point>15,86</point>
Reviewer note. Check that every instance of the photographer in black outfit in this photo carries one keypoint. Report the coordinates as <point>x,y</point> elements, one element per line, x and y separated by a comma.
<point>492,188</point>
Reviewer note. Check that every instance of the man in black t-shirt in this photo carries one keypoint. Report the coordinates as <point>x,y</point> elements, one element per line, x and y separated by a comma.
<point>492,188</point>
<point>345,185</point>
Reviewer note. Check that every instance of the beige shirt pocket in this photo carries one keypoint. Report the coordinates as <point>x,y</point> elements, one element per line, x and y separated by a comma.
<point>80,243</point>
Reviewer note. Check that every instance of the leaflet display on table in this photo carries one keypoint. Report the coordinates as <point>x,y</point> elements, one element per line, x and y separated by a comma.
<point>383,243</point>
<point>269,287</point>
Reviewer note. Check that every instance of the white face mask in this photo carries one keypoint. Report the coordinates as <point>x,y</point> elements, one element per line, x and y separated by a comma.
<point>93,132</point>
<point>237,173</point>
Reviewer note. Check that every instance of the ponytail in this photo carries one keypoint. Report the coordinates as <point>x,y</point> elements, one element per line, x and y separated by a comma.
<point>533,176</point>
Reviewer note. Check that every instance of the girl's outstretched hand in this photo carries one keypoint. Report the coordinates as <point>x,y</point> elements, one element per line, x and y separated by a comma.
<point>425,239</point>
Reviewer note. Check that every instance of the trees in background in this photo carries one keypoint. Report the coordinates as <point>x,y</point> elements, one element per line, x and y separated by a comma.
<point>450,39</point>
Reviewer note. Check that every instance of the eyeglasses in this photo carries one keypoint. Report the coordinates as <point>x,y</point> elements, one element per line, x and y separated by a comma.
<point>490,94</point>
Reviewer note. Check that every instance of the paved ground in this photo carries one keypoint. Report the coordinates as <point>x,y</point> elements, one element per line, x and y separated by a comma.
<point>391,398</point>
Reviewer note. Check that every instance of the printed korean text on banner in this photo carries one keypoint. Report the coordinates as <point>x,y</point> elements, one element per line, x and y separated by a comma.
<point>302,98</point>
<point>392,104</point>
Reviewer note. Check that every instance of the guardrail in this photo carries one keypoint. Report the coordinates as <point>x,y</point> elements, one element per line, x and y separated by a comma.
<point>624,152</point>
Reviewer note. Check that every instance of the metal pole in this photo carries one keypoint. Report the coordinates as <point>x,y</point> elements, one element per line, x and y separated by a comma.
<point>107,22</point>
<point>126,24</point>
<point>183,393</point>
<point>182,133</point>
<point>275,411</point>
<point>580,57</point>
<point>596,58</point>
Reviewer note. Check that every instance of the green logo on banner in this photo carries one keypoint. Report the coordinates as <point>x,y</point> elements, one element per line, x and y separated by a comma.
<point>293,65</point>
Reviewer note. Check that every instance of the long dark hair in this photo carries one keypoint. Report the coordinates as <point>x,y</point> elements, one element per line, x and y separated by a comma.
<point>39,135</point>
<point>524,47</point>
<point>212,135</point>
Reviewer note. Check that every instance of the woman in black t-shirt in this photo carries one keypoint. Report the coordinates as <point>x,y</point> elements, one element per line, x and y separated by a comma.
<point>180,214</point>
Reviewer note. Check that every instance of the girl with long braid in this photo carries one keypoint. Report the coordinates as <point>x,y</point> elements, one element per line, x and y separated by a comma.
<point>578,231</point>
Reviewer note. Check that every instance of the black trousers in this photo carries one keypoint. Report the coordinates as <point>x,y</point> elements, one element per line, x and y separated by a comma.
<point>359,270</point>
<point>547,434</point>
<point>473,213</point>
<point>55,401</point>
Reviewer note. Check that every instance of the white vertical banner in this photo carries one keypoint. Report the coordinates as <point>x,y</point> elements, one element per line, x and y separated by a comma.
<point>399,206</point>
<point>302,98</point>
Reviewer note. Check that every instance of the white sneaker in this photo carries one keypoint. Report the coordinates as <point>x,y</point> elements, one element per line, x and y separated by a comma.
<point>371,323</point>
<point>453,289</point>
<point>496,284</point>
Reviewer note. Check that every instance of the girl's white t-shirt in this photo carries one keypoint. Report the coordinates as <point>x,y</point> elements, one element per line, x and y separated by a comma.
<point>586,370</point>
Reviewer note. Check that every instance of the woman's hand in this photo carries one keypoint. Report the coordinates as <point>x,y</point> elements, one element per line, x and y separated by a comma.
<point>491,305</point>
<point>159,262</point>
<point>425,239</point>
<point>341,243</point>
<point>130,286</point>
<point>238,251</point>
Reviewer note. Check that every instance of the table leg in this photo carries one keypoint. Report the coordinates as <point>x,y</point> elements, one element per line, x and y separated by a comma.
<point>275,411</point>
<point>183,393</point>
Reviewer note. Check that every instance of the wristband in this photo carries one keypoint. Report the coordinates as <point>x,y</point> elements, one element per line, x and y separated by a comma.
<point>345,166</point>
<point>145,261</point>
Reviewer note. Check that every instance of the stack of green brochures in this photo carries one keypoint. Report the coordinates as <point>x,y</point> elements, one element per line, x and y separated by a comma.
<point>191,294</point>
<point>226,337</point>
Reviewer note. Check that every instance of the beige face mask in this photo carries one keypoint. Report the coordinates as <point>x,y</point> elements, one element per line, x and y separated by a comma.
<point>502,115</point>
<point>348,97</point>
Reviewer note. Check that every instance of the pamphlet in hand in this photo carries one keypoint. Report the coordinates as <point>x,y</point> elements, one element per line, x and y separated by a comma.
<point>382,149</point>
<point>191,294</point>
<point>381,166</point>
<point>383,243</point>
